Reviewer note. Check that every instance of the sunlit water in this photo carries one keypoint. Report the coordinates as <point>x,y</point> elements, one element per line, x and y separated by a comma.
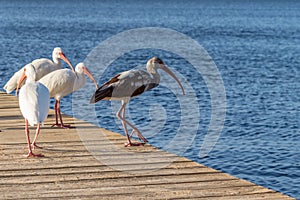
<point>256,47</point>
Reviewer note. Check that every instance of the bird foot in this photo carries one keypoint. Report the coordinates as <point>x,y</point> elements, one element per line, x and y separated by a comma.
<point>139,135</point>
<point>30,154</point>
<point>144,140</point>
<point>34,145</point>
<point>130,144</point>
<point>66,126</point>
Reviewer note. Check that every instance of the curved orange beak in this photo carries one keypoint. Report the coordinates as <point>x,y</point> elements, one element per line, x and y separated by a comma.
<point>86,71</point>
<point>168,71</point>
<point>23,77</point>
<point>64,58</point>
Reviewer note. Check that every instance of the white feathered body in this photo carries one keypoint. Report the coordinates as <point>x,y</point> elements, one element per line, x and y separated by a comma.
<point>34,100</point>
<point>62,82</point>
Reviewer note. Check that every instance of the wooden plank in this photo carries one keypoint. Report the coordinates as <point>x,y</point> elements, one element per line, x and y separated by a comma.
<point>70,171</point>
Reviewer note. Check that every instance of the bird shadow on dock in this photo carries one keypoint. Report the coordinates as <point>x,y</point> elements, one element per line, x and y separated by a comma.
<point>8,117</point>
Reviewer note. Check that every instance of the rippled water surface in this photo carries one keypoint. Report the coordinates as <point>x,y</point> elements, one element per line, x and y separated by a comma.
<point>255,45</point>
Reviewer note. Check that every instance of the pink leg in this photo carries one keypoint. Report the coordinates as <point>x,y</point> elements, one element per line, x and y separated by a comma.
<point>58,113</point>
<point>134,129</point>
<point>123,116</point>
<point>60,117</point>
<point>55,108</point>
<point>140,136</point>
<point>33,144</point>
<point>30,154</point>
<point>131,133</point>
<point>124,122</point>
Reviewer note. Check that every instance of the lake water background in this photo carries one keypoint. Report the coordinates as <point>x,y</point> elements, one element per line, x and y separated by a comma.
<point>255,45</point>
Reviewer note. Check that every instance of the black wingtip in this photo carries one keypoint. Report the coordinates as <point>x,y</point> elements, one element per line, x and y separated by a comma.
<point>92,99</point>
<point>101,93</point>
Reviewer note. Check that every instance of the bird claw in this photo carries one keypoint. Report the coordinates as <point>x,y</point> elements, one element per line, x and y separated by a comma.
<point>34,145</point>
<point>66,126</point>
<point>30,154</point>
<point>144,140</point>
<point>139,135</point>
<point>130,144</point>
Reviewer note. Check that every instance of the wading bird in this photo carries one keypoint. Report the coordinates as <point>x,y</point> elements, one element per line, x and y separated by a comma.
<point>34,100</point>
<point>63,82</point>
<point>42,67</point>
<point>129,84</point>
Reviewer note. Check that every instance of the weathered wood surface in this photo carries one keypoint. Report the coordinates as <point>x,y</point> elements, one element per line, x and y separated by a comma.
<point>70,171</point>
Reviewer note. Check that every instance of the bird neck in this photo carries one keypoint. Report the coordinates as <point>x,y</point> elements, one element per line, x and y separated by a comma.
<point>30,81</point>
<point>31,78</point>
<point>79,81</point>
<point>56,60</point>
<point>155,76</point>
<point>154,73</point>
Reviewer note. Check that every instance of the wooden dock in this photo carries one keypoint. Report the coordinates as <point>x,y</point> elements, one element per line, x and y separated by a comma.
<point>70,171</point>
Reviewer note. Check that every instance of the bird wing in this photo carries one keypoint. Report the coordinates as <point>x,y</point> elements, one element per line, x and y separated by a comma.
<point>28,102</point>
<point>12,83</point>
<point>105,90</point>
<point>59,82</point>
<point>34,100</point>
<point>43,102</point>
<point>124,85</point>
<point>43,66</point>
<point>133,83</point>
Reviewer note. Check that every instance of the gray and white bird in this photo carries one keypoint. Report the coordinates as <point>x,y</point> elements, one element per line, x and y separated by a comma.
<point>129,84</point>
<point>42,67</point>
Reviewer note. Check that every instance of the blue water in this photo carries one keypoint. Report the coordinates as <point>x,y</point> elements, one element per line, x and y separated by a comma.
<point>255,45</point>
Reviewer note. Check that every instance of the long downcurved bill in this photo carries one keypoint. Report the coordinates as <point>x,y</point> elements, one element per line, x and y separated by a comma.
<point>23,77</point>
<point>168,71</point>
<point>86,71</point>
<point>62,55</point>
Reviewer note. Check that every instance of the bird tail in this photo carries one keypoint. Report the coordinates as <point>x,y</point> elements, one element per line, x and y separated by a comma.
<point>101,93</point>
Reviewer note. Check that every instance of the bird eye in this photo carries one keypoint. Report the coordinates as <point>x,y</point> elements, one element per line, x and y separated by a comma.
<point>160,61</point>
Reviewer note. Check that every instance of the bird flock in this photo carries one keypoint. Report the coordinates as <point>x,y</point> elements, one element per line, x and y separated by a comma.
<point>47,79</point>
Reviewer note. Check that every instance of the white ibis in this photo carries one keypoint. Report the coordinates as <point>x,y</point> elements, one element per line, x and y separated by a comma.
<point>129,84</point>
<point>34,100</point>
<point>42,67</point>
<point>63,82</point>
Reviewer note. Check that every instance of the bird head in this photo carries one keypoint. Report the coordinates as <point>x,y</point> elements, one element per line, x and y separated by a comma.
<point>81,68</point>
<point>153,64</point>
<point>58,53</point>
<point>156,63</point>
<point>29,72</point>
